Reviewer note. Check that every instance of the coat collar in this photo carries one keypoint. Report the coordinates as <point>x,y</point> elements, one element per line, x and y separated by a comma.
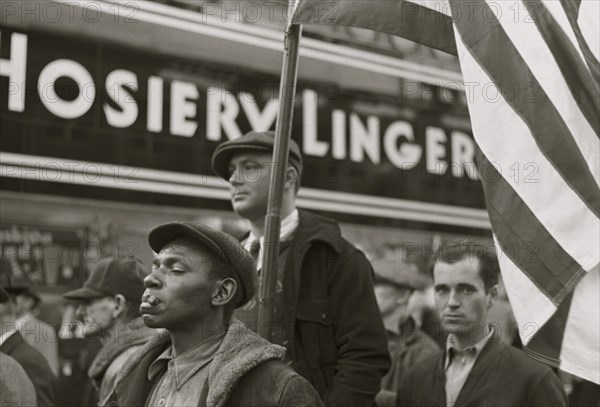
<point>241,351</point>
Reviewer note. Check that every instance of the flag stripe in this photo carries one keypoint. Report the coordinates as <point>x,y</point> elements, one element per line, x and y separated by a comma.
<point>586,40</point>
<point>546,343</point>
<point>404,18</point>
<point>522,237</point>
<point>575,71</point>
<point>531,308</point>
<point>508,71</point>
<point>554,95</point>
<point>583,329</point>
<point>588,24</point>
<point>506,141</point>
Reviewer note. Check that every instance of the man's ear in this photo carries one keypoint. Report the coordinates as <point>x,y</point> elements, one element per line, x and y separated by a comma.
<point>492,295</point>
<point>224,293</point>
<point>291,177</point>
<point>120,306</point>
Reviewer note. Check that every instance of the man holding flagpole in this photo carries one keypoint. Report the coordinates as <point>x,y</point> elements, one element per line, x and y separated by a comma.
<point>322,283</point>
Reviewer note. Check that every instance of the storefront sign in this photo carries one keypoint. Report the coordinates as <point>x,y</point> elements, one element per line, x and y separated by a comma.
<point>87,101</point>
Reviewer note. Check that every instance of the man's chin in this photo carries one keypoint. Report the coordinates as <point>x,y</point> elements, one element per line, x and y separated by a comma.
<point>151,321</point>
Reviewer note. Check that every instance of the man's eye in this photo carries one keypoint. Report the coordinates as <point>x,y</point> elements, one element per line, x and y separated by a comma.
<point>441,291</point>
<point>251,167</point>
<point>467,291</point>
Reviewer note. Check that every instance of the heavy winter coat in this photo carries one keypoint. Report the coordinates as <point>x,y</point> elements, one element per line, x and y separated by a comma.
<point>337,340</point>
<point>245,371</point>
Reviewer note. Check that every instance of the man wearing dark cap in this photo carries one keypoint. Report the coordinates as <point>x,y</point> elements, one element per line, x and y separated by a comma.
<point>204,358</point>
<point>12,344</point>
<point>325,314</point>
<point>109,306</point>
<point>395,282</point>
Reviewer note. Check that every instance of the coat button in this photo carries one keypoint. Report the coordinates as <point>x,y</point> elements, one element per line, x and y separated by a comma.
<point>323,317</point>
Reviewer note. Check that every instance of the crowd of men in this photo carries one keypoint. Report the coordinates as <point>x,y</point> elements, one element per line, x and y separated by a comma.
<point>183,332</point>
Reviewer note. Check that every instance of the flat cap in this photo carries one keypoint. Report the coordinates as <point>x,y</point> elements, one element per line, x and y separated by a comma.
<point>225,246</point>
<point>253,141</point>
<point>111,276</point>
<point>396,272</point>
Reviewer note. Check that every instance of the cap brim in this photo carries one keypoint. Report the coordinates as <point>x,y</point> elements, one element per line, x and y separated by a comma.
<point>83,293</point>
<point>223,156</point>
<point>164,234</point>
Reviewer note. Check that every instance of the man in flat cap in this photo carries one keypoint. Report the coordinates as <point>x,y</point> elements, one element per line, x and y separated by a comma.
<point>204,358</point>
<point>109,306</point>
<point>395,282</point>
<point>325,314</point>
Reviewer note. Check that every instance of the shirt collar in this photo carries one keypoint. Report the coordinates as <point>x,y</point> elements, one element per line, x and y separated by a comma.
<point>474,350</point>
<point>188,363</point>
<point>288,226</point>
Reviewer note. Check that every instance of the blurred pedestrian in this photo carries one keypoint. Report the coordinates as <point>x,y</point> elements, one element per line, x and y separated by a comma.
<point>321,280</point>
<point>476,368</point>
<point>395,282</point>
<point>12,344</point>
<point>109,306</point>
<point>38,334</point>
<point>204,358</point>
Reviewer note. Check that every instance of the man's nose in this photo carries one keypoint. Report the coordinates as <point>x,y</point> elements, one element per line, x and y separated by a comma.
<point>80,311</point>
<point>453,300</point>
<point>152,280</point>
<point>235,177</point>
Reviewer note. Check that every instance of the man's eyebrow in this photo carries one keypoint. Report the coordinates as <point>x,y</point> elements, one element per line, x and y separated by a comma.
<point>466,285</point>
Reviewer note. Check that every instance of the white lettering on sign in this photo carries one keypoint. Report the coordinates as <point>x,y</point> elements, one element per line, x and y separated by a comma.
<point>406,156</point>
<point>364,139</point>
<point>350,136</point>
<point>118,85</point>
<point>15,69</point>
<point>86,89</point>
<point>221,112</point>
<point>183,107</point>
<point>436,151</point>
<point>311,146</point>
<point>154,118</point>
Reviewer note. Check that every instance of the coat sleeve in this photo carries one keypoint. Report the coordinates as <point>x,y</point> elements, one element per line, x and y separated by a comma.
<point>362,349</point>
<point>298,392</point>
<point>547,391</point>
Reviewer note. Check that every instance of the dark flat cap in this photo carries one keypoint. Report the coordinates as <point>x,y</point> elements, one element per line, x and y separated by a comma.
<point>110,277</point>
<point>225,246</point>
<point>252,141</point>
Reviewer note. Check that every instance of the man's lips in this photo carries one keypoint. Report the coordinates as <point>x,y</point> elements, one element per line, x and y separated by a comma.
<point>150,299</point>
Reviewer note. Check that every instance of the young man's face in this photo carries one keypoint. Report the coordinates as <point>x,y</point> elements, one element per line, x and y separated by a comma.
<point>460,296</point>
<point>180,289</point>
<point>97,315</point>
<point>249,183</point>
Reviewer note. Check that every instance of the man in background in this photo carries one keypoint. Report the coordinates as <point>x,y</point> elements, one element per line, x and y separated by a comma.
<point>109,306</point>
<point>476,368</point>
<point>395,282</point>
<point>37,333</point>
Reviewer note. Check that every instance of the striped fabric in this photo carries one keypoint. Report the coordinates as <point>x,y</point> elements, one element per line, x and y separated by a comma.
<point>532,80</point>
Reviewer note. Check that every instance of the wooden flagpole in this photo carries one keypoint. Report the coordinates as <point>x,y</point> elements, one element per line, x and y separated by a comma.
<point>283,129</point>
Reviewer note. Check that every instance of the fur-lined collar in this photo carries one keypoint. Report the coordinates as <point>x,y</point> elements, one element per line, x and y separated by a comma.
<point>241,351</point>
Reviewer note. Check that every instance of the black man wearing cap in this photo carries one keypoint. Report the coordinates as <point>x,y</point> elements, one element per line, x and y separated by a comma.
<point>109,306</point>
<point>325,314</point>
<point>204,358</point>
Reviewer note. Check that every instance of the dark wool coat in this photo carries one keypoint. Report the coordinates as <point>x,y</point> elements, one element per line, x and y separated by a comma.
<point>502,376</point>
<point>35,365</point>
<point>246,371</point>
<point>337,340</point>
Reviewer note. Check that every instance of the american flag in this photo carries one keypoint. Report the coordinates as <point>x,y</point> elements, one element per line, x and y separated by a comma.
<point>532,81</point>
